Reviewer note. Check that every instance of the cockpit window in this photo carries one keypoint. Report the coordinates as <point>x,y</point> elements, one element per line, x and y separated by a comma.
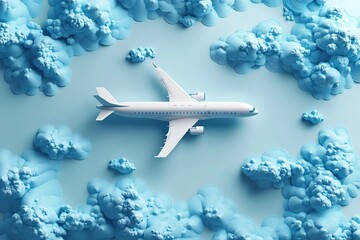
<point>253,110</point>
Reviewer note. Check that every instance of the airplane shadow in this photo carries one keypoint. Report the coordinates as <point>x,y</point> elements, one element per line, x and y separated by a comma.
<point>159,87</point>
<point>123,126</point>
<point>306,124</point>
<point>154,79</point>
<point>117,122</point>
<point>114,120</point>
<point>215,125</point>
<point>221,122</point>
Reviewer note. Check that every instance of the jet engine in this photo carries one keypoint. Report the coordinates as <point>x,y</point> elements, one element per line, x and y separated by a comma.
<point>199,96</point>
<point>198,130</point>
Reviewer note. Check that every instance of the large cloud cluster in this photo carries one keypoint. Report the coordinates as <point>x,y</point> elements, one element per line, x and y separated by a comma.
<point>321,180</point>
<point>32,206</point>
<point>37,59</point>
<point>136,213</point>
<point>33,62</point>
<point>322,52</point>
<point>315,186</point>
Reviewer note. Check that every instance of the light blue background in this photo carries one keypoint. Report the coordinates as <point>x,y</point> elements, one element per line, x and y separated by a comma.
<point>214,158</point>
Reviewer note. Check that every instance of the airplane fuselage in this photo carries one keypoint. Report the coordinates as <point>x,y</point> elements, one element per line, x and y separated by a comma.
<point>167,111</point>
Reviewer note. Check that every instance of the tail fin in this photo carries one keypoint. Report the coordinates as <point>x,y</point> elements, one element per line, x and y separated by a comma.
<point>106,100</point>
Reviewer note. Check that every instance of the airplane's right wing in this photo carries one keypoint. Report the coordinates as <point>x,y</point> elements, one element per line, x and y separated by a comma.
<point>177,129</point>
<point>176,93</point>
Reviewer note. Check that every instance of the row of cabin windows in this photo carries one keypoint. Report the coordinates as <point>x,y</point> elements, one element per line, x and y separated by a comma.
<point>231,113</point>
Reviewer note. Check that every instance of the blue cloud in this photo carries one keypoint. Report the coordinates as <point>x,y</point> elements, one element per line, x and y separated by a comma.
<point>139,54</point>
<point>322,180</point>
<point>315,186</point>
<point>313,117</point>
<point>38,58</point>
<point>322,53</point>
<point>122,165</point>
<point>60,143</point>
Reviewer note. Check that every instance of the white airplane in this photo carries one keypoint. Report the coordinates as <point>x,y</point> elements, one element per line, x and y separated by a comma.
<point>182,111</point>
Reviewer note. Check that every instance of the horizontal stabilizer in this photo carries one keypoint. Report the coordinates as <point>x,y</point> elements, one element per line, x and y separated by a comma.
<point>103,114</point>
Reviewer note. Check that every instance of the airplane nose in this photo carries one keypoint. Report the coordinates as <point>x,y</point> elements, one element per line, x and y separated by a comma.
<point>253,111</point>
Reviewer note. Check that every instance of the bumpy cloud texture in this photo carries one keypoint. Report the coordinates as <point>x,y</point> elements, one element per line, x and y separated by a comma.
<point>315,187</point>
<point>37,59</point>
<point>60,143</point>
<point>32,207</point>
<point>33,62</point>
<point>322,53</point>
<point>313,117</point>
<point>140,54</point>
<point>122,165</point>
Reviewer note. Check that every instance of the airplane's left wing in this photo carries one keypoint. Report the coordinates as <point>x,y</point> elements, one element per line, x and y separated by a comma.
<point>175,92</point>
<point>177,129</point>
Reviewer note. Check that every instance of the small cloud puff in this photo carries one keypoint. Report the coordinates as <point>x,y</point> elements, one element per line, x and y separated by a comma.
<point>60,143</point>
<point>313,117</point>
<point>122,165</point>
<point>138,55</point>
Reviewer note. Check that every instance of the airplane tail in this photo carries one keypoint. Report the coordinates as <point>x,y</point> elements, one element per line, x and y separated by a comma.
<point>106,100</point>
